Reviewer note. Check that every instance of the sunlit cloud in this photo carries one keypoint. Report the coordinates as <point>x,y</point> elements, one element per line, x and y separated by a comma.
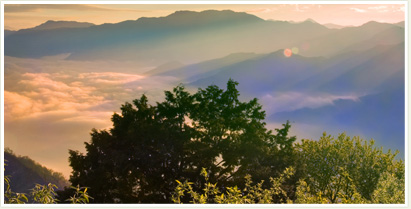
<point>298,9</point>
<point>381,8</point>
<point>358,10</point>
<point>261,10</point>
<point>66,99</point>
<point>110,77</point>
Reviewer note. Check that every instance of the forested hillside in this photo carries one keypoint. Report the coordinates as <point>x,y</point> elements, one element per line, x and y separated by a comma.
<point>25,173</point>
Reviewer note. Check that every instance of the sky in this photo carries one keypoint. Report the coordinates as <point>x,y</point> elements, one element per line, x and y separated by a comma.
<point>57,102</point>
<point>20,16</point>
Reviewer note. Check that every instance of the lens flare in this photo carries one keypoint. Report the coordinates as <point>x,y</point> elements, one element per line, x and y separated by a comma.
<point>295,50</point>
<point>287,52</point>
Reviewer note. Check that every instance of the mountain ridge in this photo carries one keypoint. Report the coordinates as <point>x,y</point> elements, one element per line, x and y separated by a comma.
<point>24,173</point>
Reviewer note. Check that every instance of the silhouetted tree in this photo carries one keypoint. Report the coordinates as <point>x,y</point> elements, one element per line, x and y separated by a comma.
<point>149,147</point>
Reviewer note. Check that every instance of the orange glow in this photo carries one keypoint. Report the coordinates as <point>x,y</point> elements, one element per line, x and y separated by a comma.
<point>288,52</point>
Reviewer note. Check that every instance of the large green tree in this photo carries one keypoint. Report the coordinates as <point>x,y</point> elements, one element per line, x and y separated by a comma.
<point>150,146</point>
<point>346,169</point>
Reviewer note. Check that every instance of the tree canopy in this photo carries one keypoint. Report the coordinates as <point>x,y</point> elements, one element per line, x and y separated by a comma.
<point>151,149</point>
<point>150,146</point>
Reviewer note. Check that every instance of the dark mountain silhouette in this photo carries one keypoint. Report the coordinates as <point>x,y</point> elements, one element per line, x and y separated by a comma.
<point>24,173</point>
<point>191,37</point>
<point>51,24</point>
<point>196,36</point>
<point>8,32</point>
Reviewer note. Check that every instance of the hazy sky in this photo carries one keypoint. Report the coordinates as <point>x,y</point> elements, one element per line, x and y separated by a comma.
<point>19,16</point>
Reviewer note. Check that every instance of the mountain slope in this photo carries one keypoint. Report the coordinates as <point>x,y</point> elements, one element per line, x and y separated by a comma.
<point>194,72</point>
<point>378,116</point>
<point>24,173</point>
<point>191,37</point>
<point>8,32</point>
<point>359,72</point>
<point>183,36</point>
<point>51,24</point>
<point>264,73</point>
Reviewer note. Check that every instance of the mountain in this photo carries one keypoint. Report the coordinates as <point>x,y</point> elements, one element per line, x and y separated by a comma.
<point>378,116</point>
<point>351,38</point>
<point>8,32</point>
<point>353,73</point>
<point>165,68</point>
<point>334,26</point>
<point>24,173</point>
<point>357,71</point>
<point>194,72</point>
<point>196,36</point>
<point>51,24</point>
<point>361,91</point>
<point>310,20</point>
<point>263,73</point>
<point>401,24</point>
<point>192,37</point>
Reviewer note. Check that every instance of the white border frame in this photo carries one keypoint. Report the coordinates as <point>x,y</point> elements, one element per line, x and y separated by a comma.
<point>406,159</point>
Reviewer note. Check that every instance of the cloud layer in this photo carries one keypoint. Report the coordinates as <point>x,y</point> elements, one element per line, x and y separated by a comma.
<point>52,105</point>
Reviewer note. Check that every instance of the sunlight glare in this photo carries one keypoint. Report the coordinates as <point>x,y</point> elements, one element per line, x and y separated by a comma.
<point>287,52</point>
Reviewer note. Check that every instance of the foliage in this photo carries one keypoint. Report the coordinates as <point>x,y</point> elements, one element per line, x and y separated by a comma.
<point>10,196</point>
<point>345,170</point>
<point>341,170</point>
<point>150,146</point>
<point>233,195</point>
<point>389,190</point>
<point>80,196</point>
<point>43,194</point>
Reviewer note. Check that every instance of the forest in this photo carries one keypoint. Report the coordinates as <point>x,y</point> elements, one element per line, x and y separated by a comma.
<point>210,147</point>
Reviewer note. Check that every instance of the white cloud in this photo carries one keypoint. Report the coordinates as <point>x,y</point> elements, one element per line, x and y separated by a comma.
<point>58,102</point>
<point>358,10</point>
<point>289,101</point>
<point>381,8</point>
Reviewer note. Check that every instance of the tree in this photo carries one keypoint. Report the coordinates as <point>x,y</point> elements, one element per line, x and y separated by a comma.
<point>250,194</point>
<point>333,171</point>
<point>150,146</point>
<point>345,169</point>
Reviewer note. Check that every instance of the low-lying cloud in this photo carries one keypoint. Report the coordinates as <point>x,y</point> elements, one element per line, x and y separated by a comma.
<point>52,105</point>
<point>289,101</point>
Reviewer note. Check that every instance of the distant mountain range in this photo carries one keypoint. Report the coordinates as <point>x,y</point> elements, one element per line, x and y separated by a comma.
<point>24,173</point>
<point>191,37</point>
<point>372,97</point>
<point>61,24</point>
